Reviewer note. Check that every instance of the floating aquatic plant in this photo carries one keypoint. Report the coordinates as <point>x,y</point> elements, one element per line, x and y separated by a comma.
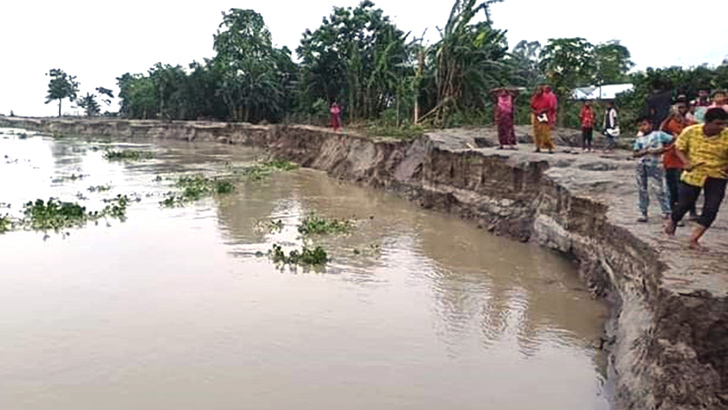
<point>306,256</point>
<point>6,224</point>
<point>99,188</point>
<point>194,188</point>
<point>316,225</point>
<point>56,215</point>
<point>129,155</point>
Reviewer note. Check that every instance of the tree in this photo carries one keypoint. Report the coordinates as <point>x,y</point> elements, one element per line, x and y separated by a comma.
<point>468,60</point>
<point>611,63</point>
<point>61,86</point>
<point>568,63</point>
<point>251,83</point>
<point>357,56</point>
<point>89,104</point>
<point>525,60</point>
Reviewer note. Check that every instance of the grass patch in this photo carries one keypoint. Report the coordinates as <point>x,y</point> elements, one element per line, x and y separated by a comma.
<point>129,155</point>
<point>404,133</point>
<point>305,257</point>
<point>223,187</point>
<point>316,225</point>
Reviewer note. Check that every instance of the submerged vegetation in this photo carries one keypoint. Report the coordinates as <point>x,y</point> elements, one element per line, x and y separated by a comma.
<point>316,225</point>
<point>195,187</point>
<point>306,256</point>
<point>128,155</point>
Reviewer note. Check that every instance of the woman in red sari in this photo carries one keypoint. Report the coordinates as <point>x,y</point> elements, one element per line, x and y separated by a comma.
<point>543,117</point>
<point>504,110</point>
<point>335,116</point>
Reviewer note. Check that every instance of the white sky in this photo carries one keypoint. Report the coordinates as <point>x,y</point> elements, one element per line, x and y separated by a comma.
<point>100,40</point>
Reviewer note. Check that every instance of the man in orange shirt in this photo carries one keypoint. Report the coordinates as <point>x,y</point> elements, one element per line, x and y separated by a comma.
<point>674,124</point>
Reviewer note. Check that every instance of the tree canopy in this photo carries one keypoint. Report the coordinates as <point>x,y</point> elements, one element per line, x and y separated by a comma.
<point>61,86</point>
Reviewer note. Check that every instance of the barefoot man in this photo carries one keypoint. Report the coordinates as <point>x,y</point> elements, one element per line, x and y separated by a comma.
<point>703,148</point>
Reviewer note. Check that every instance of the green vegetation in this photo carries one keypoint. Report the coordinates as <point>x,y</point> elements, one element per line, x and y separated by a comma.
<point>56,215</point>
<point>280,164</point>
<point>315,225</point>
<point>306,257</point>
<point>61,86</point>
<point>195,187</point>
<point>6,224</point>
<point>129,155</point>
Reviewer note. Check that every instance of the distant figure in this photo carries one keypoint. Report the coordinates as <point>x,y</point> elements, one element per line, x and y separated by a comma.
<point>720,100</point>
<point>587,117</point>
<point>12,114</point>
<point>648,148</point>
<point>543,117</point>
<point>674,125</point>
<point>701,105</point>
<point>690,116</point>
<point>703,98</point>
<point>703,148</point>
<point>335,116</point>
<point>659,104</point>
<point>611,126</point>
<point>504,111</point>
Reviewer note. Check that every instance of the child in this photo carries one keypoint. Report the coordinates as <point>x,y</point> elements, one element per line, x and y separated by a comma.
<point>611,126</point>
<point>648,148</point>
<point>587,117</point>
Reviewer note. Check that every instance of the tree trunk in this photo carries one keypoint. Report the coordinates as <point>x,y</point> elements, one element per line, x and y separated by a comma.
<point>59,106</point>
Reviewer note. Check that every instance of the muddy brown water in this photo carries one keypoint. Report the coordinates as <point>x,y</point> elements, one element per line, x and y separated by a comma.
<point>176,309</point>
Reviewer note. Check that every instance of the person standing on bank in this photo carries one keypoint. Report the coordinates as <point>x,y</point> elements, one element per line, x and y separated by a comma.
<point>587,117</point>
<point>335,111</point>
<point>543,117</point>
<point>611,126</point>
<point>504,112</point>
<point>703,148</point>
<point>649,148</point>
<point>674,125</point>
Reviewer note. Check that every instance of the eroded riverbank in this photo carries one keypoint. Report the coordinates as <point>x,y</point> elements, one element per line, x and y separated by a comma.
<point>670,335</point>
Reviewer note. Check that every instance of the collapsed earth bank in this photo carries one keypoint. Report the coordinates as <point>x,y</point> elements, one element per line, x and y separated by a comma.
<point>668,337</point>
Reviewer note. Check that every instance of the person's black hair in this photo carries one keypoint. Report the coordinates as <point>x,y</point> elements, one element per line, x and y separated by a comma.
<point>717,113</point>
<point>643,118</point>
<point>718,92</point>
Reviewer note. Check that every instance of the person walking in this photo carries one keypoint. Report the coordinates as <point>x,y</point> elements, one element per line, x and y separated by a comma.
<point>674,125</point>
<point>611,126</point>
<point>543,117</point>
<point>648,148</point>
<point>703,148</point>
<point>335,112</point>
<point>587,117</point>
<point>504,113</point>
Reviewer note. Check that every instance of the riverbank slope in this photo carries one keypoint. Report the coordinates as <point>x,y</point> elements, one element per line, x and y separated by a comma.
<point>668,340</point>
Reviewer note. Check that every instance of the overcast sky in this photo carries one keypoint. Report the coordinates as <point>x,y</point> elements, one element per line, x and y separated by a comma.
<point>98,41</point>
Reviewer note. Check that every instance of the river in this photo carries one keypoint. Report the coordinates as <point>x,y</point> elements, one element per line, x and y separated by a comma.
<point>180,308</point>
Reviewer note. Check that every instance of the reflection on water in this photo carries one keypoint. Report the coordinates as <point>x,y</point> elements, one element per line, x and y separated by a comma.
<point>172,309</point>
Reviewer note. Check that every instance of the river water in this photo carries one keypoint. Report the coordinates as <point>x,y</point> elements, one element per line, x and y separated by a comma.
<point>176,308</point>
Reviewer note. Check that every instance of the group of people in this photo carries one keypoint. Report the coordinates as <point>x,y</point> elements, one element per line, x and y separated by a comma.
<point>685,149</point>
<point>544,106</point>
<point>681,147</point>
